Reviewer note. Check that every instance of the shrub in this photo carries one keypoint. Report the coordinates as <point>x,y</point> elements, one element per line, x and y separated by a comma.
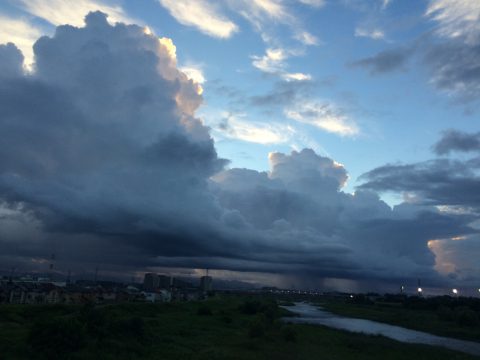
<point>465,316</point>
<point>204,310</point>
<point>57,339</point>
<point>257,327</point>
<point>226,317</point>
<point>250,307</point>
<point>289,334</point>
<point>131,328</point>
<point>445,313</point>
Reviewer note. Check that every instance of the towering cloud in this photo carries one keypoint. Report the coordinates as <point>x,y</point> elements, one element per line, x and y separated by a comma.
<point>103,160</point>
<point>102,137</point>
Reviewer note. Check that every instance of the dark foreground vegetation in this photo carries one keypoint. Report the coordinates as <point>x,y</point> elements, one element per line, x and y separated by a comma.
<point>443,315</point>
<point>220,328</point>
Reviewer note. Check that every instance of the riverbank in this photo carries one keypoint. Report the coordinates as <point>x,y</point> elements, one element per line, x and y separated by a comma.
<point>432,321</point>
<point>232,328</point>
<point>314,315</point>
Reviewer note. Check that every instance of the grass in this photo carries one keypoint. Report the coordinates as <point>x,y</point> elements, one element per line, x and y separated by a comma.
<point>416,319</point>
<point>229,328</point>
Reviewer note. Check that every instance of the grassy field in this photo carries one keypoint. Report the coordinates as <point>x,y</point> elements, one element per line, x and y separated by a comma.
<point>430,321</point>
<point>221,328</point>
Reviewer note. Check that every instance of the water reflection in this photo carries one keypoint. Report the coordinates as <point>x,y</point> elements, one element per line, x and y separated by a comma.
<point>310,314</point>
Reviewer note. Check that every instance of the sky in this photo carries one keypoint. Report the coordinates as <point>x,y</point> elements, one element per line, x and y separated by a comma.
<point>299,143</point>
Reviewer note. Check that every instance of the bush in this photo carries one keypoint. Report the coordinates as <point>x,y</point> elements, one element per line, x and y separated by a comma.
<point>204,310</point>
<point>465,316</point>
<point>250,307</point>
<point>94,320</point>
<point>289,334</point>
<point>57,339</point>
<point>270,310</point>
<point>226,317</point>
<point>445,313</point>
<point>257,327</point>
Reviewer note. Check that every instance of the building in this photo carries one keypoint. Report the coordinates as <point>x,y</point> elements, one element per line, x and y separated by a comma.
<point>158,296</point>
<point>151,281</point>
<point>165,282</point>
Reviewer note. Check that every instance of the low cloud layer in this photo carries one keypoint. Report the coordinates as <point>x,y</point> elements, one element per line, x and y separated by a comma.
<point>103,161</point>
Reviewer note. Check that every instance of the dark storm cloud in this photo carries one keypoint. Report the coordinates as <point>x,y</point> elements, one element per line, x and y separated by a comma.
<point>102,160</point>
<point>385,61</point>
<point>438,182</point>
<point>453,187</point>
<point>101,139</point>
<point>457,141</point>
<point>300,200</point>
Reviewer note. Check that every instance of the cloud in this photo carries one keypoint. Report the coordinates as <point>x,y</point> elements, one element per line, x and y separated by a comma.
<point>453,140</point>
<point>375,34</point>
<point>314,3</point>
<point>453,58</point>
<point>300,199</point>
<point>454,69</point>
<point>194,73</point>
<point>274,62</point>
<point>435,182</point>
<point>450,54</point>
<point>453,257</point>
<point>449,185</point>
<point>385,61</point>
<point>239,128</point>
<point>59,12</point>
<point>21,33</point>
<point>106,111</point>
<point>306,38</point>
<point>283,93</point>
<point>11,60</point>
<point>386,4</point>
<point>457,19</point>
<point>201,15</point>
<point>264,15</point>
<point>103,161</point>
<point>324,116</point>
<point>297,77</point>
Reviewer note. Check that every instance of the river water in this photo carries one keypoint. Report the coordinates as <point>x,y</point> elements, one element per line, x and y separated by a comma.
<point>309,314</point>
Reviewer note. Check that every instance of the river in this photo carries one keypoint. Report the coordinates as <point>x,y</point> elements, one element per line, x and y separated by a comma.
<point>310,314</point>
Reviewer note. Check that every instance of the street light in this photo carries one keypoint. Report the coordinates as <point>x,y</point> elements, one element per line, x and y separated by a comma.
<point>455,292</point>
<point>419,290</point>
